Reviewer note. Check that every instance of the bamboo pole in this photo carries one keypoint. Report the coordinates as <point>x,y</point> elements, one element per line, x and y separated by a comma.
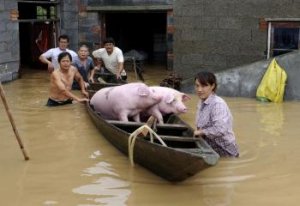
<point>12,122</point>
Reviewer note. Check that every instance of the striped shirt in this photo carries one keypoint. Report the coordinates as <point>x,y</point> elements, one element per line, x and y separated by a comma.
<point>215,120</point>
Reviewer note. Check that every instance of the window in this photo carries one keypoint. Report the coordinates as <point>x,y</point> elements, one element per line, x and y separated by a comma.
<point>45,13</point>
<point>34,11</point>
<point>283,37</point>
<point>41,13</point>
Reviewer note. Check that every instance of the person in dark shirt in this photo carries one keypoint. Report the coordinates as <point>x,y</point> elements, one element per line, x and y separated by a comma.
<point>85,66</point>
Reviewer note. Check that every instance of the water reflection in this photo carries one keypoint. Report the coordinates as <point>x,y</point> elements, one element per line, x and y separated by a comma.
<point>109,189</point>
<point>272,117</point>
<point>50,202</point>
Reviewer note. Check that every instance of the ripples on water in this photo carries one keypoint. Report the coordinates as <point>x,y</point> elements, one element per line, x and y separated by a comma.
<point>108,189</point>
<point>71,164</point>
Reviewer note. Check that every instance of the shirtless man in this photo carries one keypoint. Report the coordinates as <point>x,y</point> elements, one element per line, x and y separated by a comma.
<point>61,81</point>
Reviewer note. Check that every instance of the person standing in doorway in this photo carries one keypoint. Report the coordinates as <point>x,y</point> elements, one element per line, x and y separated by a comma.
<point>213,118</point>
<point>50,57</point>
<point>112,58</point>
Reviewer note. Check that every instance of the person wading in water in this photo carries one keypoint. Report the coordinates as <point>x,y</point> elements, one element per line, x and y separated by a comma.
<point>61,81</point>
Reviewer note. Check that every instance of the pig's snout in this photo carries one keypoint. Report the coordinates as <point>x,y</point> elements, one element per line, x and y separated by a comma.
<point>182,109</point>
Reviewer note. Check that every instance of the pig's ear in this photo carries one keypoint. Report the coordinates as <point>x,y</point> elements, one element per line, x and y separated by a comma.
<point>169,98</point>
<point>143,91</point>
<point>185,97</point>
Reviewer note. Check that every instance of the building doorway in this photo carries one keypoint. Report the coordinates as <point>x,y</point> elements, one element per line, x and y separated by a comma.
<point>143,32</point>
<point>38,25</point>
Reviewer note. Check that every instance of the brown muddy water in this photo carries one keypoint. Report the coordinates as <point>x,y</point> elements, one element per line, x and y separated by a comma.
<point>71,164</point>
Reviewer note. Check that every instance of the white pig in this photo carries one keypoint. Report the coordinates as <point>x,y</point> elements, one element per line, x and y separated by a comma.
<point>172,102</point>
<point>122,102</point>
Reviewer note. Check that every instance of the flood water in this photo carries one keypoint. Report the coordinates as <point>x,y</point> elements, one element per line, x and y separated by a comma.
<point>71,164</point>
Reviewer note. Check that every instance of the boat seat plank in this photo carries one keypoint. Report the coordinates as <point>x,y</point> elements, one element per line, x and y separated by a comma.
<point>178,138</point>
<point>158,126</point>
<point>202,146</point>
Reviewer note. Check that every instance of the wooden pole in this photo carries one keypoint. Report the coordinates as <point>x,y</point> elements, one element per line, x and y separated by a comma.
<point>12,122</point>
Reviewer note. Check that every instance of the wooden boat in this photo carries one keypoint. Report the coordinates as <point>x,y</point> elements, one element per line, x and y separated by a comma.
<point>182,157</point>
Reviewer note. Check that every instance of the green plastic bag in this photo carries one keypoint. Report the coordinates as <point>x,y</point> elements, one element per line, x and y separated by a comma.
<point>272,85</point>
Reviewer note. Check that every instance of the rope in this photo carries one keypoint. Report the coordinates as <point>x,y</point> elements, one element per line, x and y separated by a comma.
<point>134,135</point>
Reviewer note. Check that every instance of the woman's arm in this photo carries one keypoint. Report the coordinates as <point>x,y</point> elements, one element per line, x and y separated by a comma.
<point>79,79</point>
<point>220,121</point>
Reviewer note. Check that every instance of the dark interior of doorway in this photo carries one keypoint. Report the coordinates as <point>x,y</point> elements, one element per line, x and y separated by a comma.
<point>35,38</point>
<point>143,32</point>
<point>36,32</point>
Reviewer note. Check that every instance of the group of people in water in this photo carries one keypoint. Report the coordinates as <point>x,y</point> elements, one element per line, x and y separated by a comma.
<point>70,70</point>
<point>214,120</point>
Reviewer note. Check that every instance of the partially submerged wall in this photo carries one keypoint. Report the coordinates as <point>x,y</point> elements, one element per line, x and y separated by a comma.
<point>243,81</point>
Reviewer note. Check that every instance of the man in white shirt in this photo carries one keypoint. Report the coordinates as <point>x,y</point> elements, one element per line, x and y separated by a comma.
<point>112,58</point>
<point>63,43</point>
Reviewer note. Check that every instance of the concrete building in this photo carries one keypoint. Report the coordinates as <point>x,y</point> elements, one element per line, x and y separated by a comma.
<point>31,27</point>
<point>185,36</point>
<point>215,35</point>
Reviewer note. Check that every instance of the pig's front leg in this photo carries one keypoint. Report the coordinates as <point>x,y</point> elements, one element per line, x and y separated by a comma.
<point>123,116</point>
<point>136,118</point>
<point>157,114</point>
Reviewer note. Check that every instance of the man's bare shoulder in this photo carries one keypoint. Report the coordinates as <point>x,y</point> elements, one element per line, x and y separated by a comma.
<point>73,70</point>
<point>54,74</point>
<point>72,67</point>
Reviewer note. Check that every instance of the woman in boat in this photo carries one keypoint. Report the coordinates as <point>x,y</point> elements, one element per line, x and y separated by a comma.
<point>213,118</point>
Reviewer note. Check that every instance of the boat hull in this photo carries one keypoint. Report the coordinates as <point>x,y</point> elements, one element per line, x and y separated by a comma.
<point>171,163</point>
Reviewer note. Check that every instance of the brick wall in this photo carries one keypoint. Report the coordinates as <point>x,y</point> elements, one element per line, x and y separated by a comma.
<point>9,41</point>
<point>218,34</point>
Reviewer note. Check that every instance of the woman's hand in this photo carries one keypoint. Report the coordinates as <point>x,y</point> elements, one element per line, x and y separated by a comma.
<point>198,133</point>
<point>91,80</point>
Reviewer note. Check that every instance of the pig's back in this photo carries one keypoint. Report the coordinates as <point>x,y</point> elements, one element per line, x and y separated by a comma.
<point>101,102</point>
